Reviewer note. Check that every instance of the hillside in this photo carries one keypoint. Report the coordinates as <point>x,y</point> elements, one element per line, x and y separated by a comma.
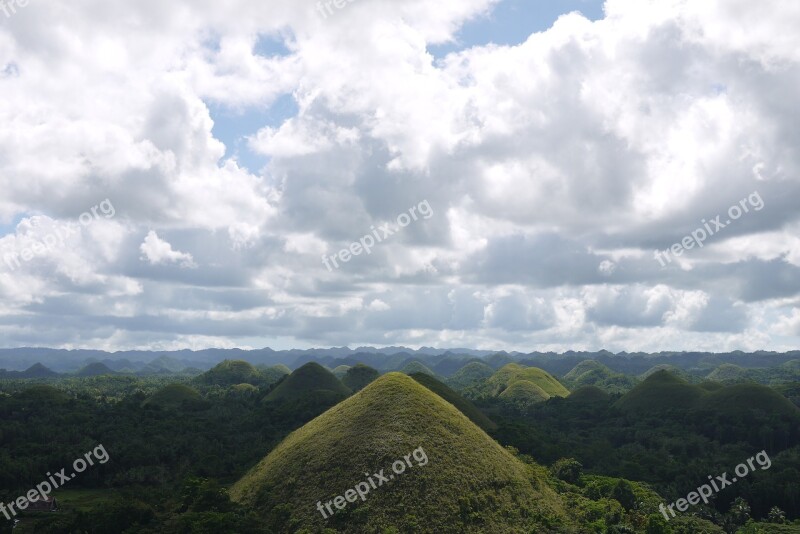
<point>737,400</point>
<point>359,376</point>
<point>416,366</point>
<point>340,371</point>
<point>95,369</point>
<point>588,395</point>
<point>522,394</point>
<point>470,375</point>
<point>594,373</point>
<point>229,373</point>
<point>659,392</point>
<point>513,372</point>
<point>310,378</point>
<point>366,433</point>
<point>464,406</point>
<point>728,373</point>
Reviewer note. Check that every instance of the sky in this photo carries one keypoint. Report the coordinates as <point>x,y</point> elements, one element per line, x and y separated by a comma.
<point>497,174</point>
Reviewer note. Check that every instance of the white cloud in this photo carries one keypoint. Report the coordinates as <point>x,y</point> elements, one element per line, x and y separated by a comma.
<point>157,251</point>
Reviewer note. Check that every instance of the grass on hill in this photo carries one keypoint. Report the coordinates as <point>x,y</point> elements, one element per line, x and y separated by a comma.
<point>469,484</point>
<point>470,375</point>
<point>588,395</point>
<point>340,371</point>
<point>513,372</point>
<point>736,399</point>
<point>416,366</point>
<point>522,394</point>
<point>464,406</point>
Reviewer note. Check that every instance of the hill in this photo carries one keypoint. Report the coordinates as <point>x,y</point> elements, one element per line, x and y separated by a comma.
<point>728,373</point>
<point>359,376</point>
<point>677,371</point>
<point>311,377</point>
<point>508,374</point>
<point>416,366</point>
<point>373,431</point>
<point>38,370</point>
<point>737,400</point>
<point>230,373</point>
<point>95,369</point>
<point>659,392</point>
<point>470,375</point>
<point>175,396</point>
<point>340,371</point>
<point>464,406</point>
<point>594,373</point>
<point>522,394</point>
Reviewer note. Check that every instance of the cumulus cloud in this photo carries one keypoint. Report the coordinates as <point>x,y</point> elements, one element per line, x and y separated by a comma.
<point>555,168</point>
<point>157,251</point>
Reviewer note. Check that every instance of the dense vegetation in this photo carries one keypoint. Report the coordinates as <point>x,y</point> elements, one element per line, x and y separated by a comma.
<point>178,441</point>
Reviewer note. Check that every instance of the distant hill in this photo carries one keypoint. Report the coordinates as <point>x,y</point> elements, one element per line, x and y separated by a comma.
<point>416,366</point>
<point>522,394</point>
<point>380,425</point>
<point>508,374</point>
<point>738,399</point>
<point>309,378</point>
<point>594,373</point>
<point>359,376</point>
<point>95,369</point>
<point>470,375</point>
<point>175,396</point>
<point>728,372</point>
<point>659,392</point>
<point>229,373</point>
<point>464,406</point>
<point>340,371</point>
<point>672,370</point>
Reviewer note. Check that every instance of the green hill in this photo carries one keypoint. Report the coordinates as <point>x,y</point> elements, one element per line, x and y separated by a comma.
<point>271,374</point>
<point>523,393</point>
<point>594,373</point>
<point>728,372</point>
<point>340,371</point>
<point>359,376</point>
<point>95,369</point>
<point>38,370</point>
<point>464,406</point>
<point>513,372</point>
<point>175,396</point>
<point>659,392</point>
<point>468,482</point>
<point>230,373</point>
<point>739,399</point>
<point>673,370</point>
<point>416,366</point>
<point>311,377</point>
<point>470,375</point>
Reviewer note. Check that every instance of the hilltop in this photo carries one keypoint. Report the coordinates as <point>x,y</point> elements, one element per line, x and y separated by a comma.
<point>309,378</point>
<point>384,422</point>
<point>496,384</point>
<point>464,405</point>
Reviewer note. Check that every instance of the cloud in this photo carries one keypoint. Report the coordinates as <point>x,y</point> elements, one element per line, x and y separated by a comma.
<point>157,252</point>
<point>555,168</point>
